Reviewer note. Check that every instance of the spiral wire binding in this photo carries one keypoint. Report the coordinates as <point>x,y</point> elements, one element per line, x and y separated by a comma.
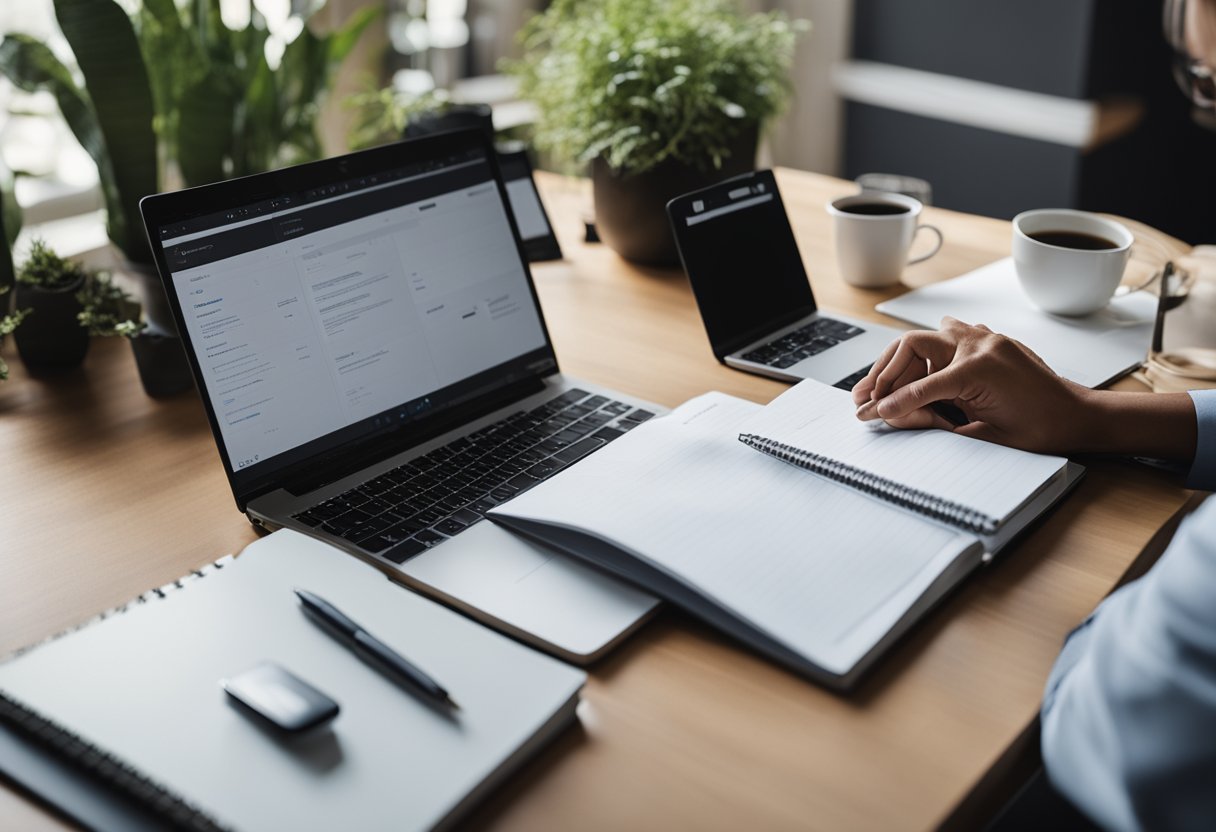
<point>77,751</point>
<point>911,498</point>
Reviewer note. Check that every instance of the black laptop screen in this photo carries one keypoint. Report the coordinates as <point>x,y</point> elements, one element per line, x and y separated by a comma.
<point>737,246</point>
<point>358,305</point>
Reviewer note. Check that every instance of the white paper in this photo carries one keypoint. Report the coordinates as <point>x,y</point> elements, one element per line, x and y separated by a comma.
<point>1090,350</point>
<point>821,568</point>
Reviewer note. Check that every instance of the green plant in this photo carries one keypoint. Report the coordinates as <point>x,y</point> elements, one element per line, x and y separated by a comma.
<point>108,309</point>
<point>642,81</point>
<point>10,226</point>
<point>45,269</point>
<point>382,115</point>
<point>172,84</point>
<point>8,323</point>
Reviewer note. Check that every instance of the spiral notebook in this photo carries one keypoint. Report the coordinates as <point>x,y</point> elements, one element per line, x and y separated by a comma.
<point>822,569</point>
<point>132,702</point>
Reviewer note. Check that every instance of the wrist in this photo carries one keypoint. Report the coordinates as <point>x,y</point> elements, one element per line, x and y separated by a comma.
<point>1159,425</point>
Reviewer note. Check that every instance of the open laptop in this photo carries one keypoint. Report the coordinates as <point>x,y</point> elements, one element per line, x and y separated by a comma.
<point>746,272</point>
<point>373,359</point>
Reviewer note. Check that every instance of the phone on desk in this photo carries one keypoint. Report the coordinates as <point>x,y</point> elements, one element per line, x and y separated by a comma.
<point>530,216</point>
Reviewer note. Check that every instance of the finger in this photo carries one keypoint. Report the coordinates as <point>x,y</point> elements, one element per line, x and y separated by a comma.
<point>915,348</point>
<point>921,419</point>
<point>862,390</point>
<point>946,385</point>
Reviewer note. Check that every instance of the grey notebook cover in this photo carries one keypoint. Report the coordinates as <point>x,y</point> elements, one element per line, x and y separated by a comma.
<point>143,685</point>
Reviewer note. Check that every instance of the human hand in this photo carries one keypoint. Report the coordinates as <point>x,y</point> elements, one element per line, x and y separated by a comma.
<point>1006,391</point>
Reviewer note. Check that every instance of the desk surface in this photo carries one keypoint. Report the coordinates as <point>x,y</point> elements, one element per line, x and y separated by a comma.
<point>107,493</point>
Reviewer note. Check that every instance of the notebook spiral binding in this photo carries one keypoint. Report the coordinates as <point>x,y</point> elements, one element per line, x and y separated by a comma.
<point>77,751</point>
<point>947,511</point>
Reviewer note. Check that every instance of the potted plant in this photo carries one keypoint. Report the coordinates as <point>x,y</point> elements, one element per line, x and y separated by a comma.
<point>51,338</point>
<point>8,323</point>
<point>659,96</point>
<point>108,310</point>
<point>173,96</point>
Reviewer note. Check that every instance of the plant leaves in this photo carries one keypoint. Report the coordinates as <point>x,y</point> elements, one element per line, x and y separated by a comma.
<point>108,54</point>
<point>205,129</point>
<point>31,66</point>
<point>10,225</point>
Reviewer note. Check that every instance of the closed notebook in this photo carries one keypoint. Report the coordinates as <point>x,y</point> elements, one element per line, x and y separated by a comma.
<point>819,569</point>
<point>136,697</point>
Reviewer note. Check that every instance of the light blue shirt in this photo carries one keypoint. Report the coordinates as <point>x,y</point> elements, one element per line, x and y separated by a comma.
<point>1129,714</point>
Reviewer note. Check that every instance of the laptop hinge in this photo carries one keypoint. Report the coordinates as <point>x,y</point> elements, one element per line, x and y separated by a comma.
<point>343,462</point>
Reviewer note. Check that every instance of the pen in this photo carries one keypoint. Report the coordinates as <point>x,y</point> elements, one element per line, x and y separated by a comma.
<point>374,650</point>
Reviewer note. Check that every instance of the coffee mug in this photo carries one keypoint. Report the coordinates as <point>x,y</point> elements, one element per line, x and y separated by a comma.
<point>1069,262</point>
<point>874,232</point>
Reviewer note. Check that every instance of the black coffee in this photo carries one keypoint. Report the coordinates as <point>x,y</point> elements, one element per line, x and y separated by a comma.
<point>874,209</point>
<point>1073,239</point>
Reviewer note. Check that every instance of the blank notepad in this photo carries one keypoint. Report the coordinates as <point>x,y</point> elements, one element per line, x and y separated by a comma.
<point>824,570</point>
<point>992,480</point>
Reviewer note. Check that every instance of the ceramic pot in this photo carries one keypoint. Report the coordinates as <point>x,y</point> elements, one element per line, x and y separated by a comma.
<point>50,339</point>
<point>161,360</point>
<point>631,210</point>
<point>151,294</point>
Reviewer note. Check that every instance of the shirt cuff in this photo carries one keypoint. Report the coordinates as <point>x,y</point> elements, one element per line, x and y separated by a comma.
<point>1203,469</point>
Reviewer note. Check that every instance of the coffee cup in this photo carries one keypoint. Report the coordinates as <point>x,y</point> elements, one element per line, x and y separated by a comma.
<point>1069,262</point>
<point>874,232</point>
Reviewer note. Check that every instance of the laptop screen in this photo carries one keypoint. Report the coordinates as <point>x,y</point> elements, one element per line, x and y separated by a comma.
<point>354,305</point>
<point>744,266</point>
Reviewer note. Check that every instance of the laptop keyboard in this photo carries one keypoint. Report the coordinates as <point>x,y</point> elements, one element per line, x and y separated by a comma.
<point>402,512</point>
<point>849,382</point>
<point>812,339</point>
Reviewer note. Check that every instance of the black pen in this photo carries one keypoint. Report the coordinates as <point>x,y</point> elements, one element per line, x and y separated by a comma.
<point>374,650</point>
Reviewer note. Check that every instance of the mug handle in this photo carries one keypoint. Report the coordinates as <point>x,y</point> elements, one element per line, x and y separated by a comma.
<point>936,248</point>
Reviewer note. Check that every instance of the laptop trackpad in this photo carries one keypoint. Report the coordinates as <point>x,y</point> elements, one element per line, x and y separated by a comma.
<point>552,596</point>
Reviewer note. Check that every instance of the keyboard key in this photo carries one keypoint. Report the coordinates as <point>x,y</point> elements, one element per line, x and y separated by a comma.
<point>571,396</point>
<point>429,537</point>
<point>595,402</point>
<point>607,434</point>
<point>641,415</point>
<point>616,408</point>
<point>467,517</point>
<point>578,451</point>
<point>450,527</point>
<point>404,551</point>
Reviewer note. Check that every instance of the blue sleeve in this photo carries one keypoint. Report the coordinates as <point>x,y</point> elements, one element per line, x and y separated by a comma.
<point>1129,714</point>
<point>1203,469</point>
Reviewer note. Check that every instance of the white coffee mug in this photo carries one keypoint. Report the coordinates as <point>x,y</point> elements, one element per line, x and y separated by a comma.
<point>874,232</point>
<point>1058,274</point>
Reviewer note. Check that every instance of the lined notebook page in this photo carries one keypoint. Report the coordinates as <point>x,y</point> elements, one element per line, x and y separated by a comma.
<point>821,568</point>
<point>988,478</point>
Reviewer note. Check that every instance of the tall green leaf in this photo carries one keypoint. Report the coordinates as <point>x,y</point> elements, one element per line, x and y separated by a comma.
<point>31,66</point>
<point>108,54</point>
<point>10,224</point>
<point>204,130</point>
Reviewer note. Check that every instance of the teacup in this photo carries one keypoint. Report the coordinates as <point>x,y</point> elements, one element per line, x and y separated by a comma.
<point>1069,262</point>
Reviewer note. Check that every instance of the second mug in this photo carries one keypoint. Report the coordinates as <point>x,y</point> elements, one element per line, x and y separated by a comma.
<point>874,233</point>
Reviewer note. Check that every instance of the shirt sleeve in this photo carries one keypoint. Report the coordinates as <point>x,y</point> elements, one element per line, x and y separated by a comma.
<point>1203,469</point>
<point>1129,714</point>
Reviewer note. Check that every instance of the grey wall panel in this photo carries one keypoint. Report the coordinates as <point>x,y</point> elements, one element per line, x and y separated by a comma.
<point>979,171</point>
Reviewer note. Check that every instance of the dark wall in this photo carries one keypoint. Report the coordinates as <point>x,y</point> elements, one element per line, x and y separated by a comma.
<point>1163,173</point>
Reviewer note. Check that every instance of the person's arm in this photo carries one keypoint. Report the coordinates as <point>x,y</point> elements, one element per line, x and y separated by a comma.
<point>1011,397</point>
<point>1129,712</point>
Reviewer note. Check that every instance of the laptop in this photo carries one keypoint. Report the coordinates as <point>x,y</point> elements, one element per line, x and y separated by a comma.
<point>755,299</point>
<point>367,341</point>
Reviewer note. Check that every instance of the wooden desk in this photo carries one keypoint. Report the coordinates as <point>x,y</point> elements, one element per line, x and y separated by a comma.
<point>106,493</point>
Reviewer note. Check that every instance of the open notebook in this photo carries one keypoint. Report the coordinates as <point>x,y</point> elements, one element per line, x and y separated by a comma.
<point>818,571</point>
<point>134,699</point>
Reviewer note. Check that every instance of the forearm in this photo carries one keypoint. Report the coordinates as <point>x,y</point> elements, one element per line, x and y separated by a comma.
<point>1160,425</point>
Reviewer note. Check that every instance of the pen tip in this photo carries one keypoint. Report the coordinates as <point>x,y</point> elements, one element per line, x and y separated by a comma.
<point>451,703</point>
